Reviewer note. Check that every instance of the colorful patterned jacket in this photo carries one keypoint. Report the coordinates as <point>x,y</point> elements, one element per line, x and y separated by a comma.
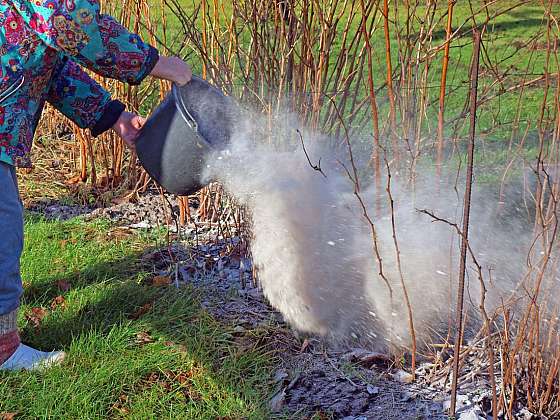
<point>43,45</point>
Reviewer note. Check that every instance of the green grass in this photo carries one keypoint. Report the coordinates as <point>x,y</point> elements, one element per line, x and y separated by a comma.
<point>504,34</point>
<point>189,367</point>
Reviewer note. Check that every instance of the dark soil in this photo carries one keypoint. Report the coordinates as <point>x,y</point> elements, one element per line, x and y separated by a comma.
<point>310,377</point>
<point>149,210</point>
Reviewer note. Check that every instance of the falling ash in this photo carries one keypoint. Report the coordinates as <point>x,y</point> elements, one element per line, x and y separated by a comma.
<point>313,247</point>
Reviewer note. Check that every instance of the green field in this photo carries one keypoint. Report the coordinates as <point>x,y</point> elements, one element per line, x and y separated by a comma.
<point>173,361</point>
<point>514,51</point>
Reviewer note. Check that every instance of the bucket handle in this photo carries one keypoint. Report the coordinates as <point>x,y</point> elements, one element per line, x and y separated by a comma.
<point>181,107</point>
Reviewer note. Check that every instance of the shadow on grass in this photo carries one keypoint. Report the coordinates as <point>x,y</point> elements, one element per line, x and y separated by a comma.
<point>99,297</point>
<point>109,299</point>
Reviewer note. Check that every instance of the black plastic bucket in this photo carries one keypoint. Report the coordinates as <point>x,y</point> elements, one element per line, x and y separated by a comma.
<point>192,122</point>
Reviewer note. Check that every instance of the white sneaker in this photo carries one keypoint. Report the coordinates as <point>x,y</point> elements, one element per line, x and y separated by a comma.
<point>27,358</point>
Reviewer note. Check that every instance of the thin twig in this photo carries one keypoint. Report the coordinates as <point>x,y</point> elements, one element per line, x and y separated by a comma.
<point>315,167</point>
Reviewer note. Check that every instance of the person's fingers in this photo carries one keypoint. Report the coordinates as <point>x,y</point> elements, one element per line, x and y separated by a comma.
<point>184,73</point>
<point>138,122</point>
<point>188,74</point>
<point>130,142</point>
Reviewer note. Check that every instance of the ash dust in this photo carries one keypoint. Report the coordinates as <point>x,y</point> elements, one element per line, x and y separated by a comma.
<point>314,251</point>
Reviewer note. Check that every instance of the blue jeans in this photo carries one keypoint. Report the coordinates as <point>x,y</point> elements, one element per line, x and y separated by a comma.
<point>11,240</point>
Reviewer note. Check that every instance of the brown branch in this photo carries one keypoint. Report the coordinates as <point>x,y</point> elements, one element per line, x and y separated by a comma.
<point>448,30</point>
<point>399,267</point>
<point>457,229</point>
<point>373,102</point>
<point>466,216</point>
<point>389,80</point>
<point>373,230</point>
<point>355,180</point>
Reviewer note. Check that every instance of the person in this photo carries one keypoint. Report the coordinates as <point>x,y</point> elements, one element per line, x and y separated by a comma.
<point>45,46</point>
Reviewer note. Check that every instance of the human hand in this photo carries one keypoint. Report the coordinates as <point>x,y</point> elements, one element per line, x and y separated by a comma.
<point>173,69</point>
<point>128,128</point>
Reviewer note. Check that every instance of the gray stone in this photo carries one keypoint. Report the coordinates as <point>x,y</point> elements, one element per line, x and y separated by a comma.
<point>372,390</point>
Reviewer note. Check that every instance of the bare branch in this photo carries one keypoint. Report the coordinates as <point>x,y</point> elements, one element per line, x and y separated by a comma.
<point>315,167</point>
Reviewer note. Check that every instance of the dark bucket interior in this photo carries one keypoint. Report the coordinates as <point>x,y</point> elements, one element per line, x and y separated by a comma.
<point>192,122</point>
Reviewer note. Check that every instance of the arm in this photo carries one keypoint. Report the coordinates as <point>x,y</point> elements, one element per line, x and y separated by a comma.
<point>82,99</point>
<point>87,104</point>
<point>78,29</point>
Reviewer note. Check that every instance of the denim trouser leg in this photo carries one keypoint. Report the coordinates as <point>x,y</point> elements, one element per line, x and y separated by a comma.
<point>11,240</point>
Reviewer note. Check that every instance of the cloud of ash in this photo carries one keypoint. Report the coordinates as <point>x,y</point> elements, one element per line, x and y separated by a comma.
<point>314,250</point>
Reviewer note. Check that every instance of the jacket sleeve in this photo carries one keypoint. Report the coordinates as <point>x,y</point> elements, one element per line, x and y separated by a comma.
<point>82,99</point>
<point>93,40</point>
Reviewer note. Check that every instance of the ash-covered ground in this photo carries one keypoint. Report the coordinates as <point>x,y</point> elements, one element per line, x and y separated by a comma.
<point>311,377</point>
